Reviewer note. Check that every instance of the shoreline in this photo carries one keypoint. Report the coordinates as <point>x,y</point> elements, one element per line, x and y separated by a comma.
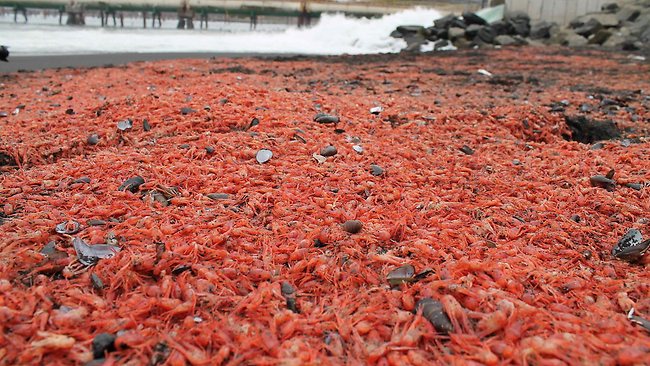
<point>43,62</point>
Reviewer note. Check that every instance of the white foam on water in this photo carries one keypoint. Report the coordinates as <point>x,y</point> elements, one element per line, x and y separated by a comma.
<point>334,34</point>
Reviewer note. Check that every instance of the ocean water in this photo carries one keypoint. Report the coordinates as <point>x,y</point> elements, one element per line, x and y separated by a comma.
<point>333,34</point>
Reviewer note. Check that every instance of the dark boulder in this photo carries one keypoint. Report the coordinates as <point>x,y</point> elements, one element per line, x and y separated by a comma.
<point>540,30</point>
<point>590,27</point>
<point>457,23</point>
<point>471,18</point>
<point>472,30</point>
<point>628,14</point>
<point>487,34</point>
<point>610,8</point>
<point>518,23</point>
<point>600,37</point>
<point>444,22</point>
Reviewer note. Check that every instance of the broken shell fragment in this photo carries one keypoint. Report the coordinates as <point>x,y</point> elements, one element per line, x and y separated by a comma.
<point>358,149</point>
<point>132,184</point>
<point>376,110</point>
<point>644,323</point>
<point>433,311</point>
<point>124,125</point>
<point>353,226</point>
<point>68,227</point>
<point>90,254</point>
<point>319,158</point>
<point>631,246</point>
<point>401,274</point>
<point>263,156</point>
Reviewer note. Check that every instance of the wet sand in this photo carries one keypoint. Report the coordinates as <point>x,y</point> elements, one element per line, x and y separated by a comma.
<point>31,63</point>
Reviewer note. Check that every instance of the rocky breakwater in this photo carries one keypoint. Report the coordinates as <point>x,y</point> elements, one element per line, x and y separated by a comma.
<point>623,27</point>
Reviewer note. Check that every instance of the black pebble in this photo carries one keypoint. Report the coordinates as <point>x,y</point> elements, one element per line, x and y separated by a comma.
<point>209,150</point>
<point>69,111</point>
<point>132,184</point>
<point>96,281</point>
<point>467,150</point>
<point>376,170</point>
<point>187,110</point>
<point>93,139</point>
<point>145,125</point>
<point>254,123</point>
<point>103,342</point>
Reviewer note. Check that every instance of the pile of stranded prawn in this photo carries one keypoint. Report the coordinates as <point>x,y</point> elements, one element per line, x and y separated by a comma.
<point>394,209</point>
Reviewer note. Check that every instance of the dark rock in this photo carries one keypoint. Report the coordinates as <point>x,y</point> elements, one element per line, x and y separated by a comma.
<point>541,30</point>
<point>500,27</point>
<point>487,34</point>
<point>467,150</point>
<point>628,14</point>
<point>325,118</point>
<point>472,30</point>
<point>414,42</point>
<point>631,45</point>
<point>504,40</point>
<point>69,111</point>
<point>610,7</point>
<point>601,181</point>
<point>444,22</point>
<point>132,184</point>
<point>103,343</point>
<point>410,29</point>
<point>396,34</point>
<point>518,23</point>
<point>600,37</point>
<point>441,44</point>
<point>456,33</point>
<point>590,27</point>
<point>376,170</point>
<point>328,151</point>
<point>353,226</point>
<point>457,23</point>
<point>471,18</point>
<point>588,131</point>
<point>92,139</point>
<point>187,110</point>
<point>145,125</point>
<point>209,150</point>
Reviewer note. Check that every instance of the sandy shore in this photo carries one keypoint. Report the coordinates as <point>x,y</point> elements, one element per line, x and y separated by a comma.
<point>31,63</point>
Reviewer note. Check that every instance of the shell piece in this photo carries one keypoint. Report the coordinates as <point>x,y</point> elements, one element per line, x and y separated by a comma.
<point>263,156</point>
<point>124,125</point>
<point>376,110</point>
<point>401,274</point>
<point>90,254</point>
<point>631,246</point>
<point>68,227</point>
<point>433,311</point>
<point>319,158</point>
<point>358,149</point>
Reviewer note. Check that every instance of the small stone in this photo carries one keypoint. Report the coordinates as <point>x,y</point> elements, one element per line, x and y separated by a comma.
<point>95,222</point>
<point>353,226</point>
<point>328,151</point>
<point>254,123</point>
<point>187,110</point>
<point>218,196</point>
<point>635,186</point>
<point>467,150</point>
<point>319,158</point>
<point>516,162</point>
<point>69,111</point>
<point>597,146</point>
<point>184,146</point>
<point>358,149</point>
<point>325,118</point>
<point>209,150</point>
<point>263,156</point>
<point>92,139</point>
<point>81,180</point>
<point>132,184</point>
<point>376,170</point>
<point>602,181</point>
<point>145,125</point>
<point>103,343</point>
<point>376,110</point>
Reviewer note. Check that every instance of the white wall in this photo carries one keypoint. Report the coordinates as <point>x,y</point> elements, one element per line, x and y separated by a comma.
<point>559,11</point>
